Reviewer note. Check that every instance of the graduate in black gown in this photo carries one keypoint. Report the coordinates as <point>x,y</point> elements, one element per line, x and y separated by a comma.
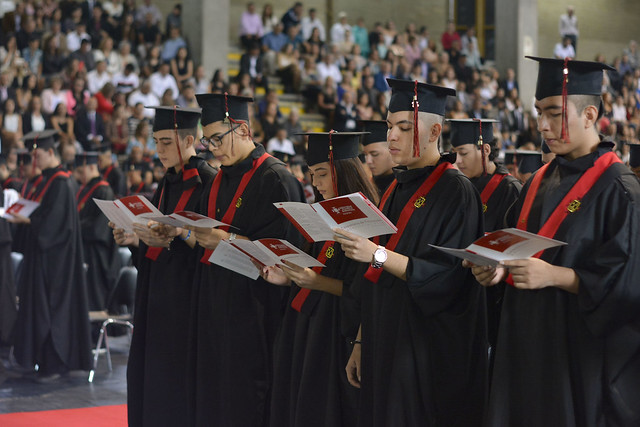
<point>8,308</point>
<point>156,374</point>
<point>568,350</point>
<point>52,329</point>
<point>422,360</point>
<point>310,386</point>
<point>235,319</point>
<point>110,171</point>
<point>376,153</point>
<point>475,157</point>
<point>100,250</point>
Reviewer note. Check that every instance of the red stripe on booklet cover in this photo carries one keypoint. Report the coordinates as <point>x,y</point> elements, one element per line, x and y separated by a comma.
<point>569,204</point>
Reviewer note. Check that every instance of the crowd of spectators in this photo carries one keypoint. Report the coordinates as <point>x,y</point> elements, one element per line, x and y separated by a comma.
<point>88,68</point>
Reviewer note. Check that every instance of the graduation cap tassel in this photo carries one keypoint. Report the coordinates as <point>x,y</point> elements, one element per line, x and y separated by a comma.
<point>481,147</point>
<point>415,105</point>
<point>565,80</point>
<point>334,179</point>
<point>175,130</point>
<point>33,156</point>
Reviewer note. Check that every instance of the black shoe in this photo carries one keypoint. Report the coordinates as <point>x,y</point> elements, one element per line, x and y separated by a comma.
<point>47,378</point>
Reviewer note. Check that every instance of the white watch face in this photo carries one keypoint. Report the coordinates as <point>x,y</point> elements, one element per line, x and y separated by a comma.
<point>380,255</point>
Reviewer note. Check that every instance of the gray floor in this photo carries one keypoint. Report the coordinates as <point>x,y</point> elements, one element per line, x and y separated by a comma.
<point>22,394</point>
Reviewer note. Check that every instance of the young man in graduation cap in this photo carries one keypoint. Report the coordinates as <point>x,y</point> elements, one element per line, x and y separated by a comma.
<point>99,249</point>
<point>110,171</point>
<point>568,349</point>
<point>376,153</point>
<point>236,318</point>
<point>57,339</point>
<point>420,357</point>
<point>156,374</point>
<point>472,141</point>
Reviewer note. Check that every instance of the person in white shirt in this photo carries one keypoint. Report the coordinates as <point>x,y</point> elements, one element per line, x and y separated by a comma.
<point>568,26</point>
<point>309,23</point>
<point>564,49</point>
<point>74,38</point>
<point>339,28</point>
<point>53,95</point>
<point>126,81</point>
<point>97,78</point>
<point>161,80</point>
<point>328,68</point>
<point>146,97</point>
<point>280,143</point>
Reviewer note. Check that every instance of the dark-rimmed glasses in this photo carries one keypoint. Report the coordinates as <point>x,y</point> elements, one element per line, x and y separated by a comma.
<point>216,140</point>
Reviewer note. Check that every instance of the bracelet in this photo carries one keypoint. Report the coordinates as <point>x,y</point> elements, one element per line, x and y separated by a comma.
<point>185,238</point>
<point>354,342</point>
<point>232,236</point>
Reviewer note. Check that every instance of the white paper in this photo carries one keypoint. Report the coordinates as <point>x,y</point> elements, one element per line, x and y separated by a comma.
<point>236,255</point>
<point>507,244</point>
<point>128,211</point>
<point>182,218</point>
<point>319,219</point>
<point>22,207</point>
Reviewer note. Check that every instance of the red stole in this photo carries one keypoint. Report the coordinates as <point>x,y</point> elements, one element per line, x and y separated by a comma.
<point>416,201</point>
<point>488,190</point>
<point>81,203</point>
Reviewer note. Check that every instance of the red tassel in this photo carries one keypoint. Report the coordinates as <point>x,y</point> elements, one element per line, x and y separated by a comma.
<point>481,146</point>
<point>415,104</point>
<point>175,130</point>
<point>33,161</point>
<point>334,179</point>
<point>565,80</point>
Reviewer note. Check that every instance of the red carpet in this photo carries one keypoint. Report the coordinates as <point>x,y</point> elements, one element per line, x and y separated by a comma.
<point>99,416</point>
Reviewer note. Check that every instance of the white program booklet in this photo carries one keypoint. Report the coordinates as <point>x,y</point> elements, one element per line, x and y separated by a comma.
<point>502,245</point>
<point>237,254</point>
<point>128,210</point>
<point>22,207</point>
<point>353,213</point>
<point>182,218</point>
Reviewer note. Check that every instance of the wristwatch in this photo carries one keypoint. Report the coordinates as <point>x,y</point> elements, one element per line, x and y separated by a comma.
<point>232,236</point>
<point>379,257</point>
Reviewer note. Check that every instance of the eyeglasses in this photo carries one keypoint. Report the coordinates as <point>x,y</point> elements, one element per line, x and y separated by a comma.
<point>216,140</point>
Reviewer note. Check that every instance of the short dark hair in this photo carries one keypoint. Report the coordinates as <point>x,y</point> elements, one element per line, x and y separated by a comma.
<point>183,133</point>
<point>583,101</point>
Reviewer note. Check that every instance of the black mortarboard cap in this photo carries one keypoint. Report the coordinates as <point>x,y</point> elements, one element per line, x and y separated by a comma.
<point>467,131</point>
<point>584,78</point>
<point>169,117</point>
<point>86,158</point>
<point>529,161</point>
<point>24,157</point>
<point>40,139</point>
<point>283,157</point>
<point>345,146</point>
<point>509,157</point>
<point>216,105</point>
<point>431,98</point>
<point>377,131</point>
<point>634,155</point>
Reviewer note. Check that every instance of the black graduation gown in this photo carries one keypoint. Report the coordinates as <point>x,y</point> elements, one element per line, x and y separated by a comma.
<point>100,250</point>
<point>8,309</point>
<point>156,374</point>
<point>53,321</point>
<point>310,386</point>
<point>20,231</point>
<point>382,182</point>
<point>116,179</point>
<point>236,319</point>
<point>574,360</point>
<point>12,183</point>
<point>424,349</point>
<point>503,197</point>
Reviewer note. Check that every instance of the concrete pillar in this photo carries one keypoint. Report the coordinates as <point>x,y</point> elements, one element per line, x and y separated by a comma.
<point>205,24</point>
<point>516,37</point>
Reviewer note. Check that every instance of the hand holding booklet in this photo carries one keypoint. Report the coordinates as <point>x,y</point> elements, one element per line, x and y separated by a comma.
<point>353,212</point>
<point>503,245</point>
<point>237,254</point>
<point>21,207</point>
<point>131,210</point>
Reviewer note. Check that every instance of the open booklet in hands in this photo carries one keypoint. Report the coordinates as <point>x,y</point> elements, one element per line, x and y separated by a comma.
<point>503,245</point>
<point>353,213</point>
<point>237,254</point>
<point>131,210</point>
